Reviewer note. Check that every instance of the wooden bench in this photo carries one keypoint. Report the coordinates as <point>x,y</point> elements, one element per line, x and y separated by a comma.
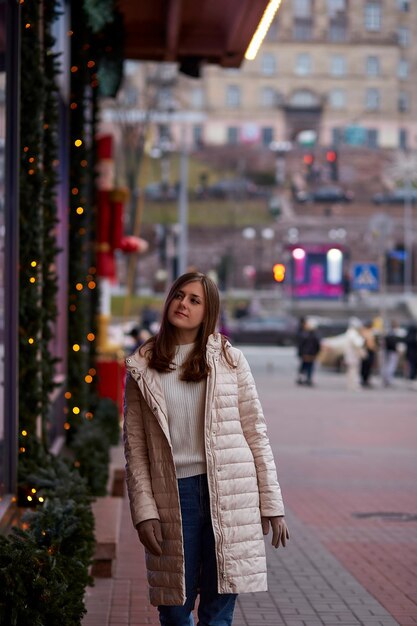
<point>107,512</point>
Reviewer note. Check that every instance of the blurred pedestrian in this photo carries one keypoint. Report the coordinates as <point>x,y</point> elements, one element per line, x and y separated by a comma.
<point>241,310</point>
<point>201,476</point>
<point>411,352</point>
<point>298,339</point>
<point>139,336</point>
<point>369,353</point>
<point>391,353</point>
<point>308,349</point>
<point>346,286</point>
<point>353,351</point>
<point>149,317</point>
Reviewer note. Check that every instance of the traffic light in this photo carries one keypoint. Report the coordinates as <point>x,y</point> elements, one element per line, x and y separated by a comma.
<point>308,160</point>
<point>279,272</point>
<point>332,160</point>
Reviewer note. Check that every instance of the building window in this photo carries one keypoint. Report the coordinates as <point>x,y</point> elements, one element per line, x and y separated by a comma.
<point>304,99</point>
<point>302,8</point>
<point>372,99</point>
<point>403,102</point>
<point>373,67</point>
<point>337,12</point>
<point>268,97</point>
<point>337,98</point>
<point>268,64</point>
<point>338,30</point>
<point>403,69</point>
<point>267,135</point>
<point>336,6</point>
<point>197,98</point>
<point>403,5</point>
<point>233,96</point>
<point>373,16</point>
<point>232,135</point>
<point>303,20</point>
<point>303,64</point>
<point>303,29</point>
<point>403,36</point>
<point>337,65</point>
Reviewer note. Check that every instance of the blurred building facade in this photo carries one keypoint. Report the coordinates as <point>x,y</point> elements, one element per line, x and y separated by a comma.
<point>344,70</point>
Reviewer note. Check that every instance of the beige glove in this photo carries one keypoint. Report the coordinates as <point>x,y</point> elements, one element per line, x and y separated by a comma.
<point>280,532</point>
<point>150,535</point>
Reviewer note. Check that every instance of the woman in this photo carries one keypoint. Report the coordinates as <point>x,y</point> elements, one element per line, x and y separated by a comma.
<point>200,471</point>
<point>353,352</point>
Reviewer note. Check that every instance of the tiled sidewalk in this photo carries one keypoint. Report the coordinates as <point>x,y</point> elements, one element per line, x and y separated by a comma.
<point>307,587</point>
<point>346,462</point>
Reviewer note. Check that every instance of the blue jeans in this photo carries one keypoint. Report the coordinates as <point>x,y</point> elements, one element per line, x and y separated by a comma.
<point>200,562</point>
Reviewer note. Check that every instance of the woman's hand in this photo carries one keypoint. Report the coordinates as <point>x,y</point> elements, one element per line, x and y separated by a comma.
<point>280,533</point>
<point>150,535</point>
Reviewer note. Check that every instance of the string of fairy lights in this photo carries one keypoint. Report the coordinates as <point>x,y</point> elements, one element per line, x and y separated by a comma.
<point>39,173</point>
<point>83,76</point>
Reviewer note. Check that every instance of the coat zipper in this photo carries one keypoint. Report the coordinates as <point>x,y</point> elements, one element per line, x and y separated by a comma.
<point>221,575</point>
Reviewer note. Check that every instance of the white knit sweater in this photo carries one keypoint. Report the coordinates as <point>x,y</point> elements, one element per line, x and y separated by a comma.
<point>185,403</point>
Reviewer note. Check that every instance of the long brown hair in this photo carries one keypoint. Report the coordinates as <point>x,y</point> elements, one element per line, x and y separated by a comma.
<point>160,350</point>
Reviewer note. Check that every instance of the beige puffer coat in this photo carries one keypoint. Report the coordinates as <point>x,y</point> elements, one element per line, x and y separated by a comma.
<point>241,474</point>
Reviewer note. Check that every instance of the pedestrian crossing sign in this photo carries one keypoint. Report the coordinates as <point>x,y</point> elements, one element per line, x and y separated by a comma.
<point>365,276</point>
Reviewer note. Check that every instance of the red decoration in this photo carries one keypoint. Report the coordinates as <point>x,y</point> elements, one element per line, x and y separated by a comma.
<point>130,243</point>
<point>105,147</point>
<point>110,377</point>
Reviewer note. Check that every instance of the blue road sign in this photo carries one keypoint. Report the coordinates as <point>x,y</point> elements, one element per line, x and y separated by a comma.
<point>365,276</point>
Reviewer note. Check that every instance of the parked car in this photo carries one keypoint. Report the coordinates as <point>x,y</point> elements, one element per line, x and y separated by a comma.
<point>159,191</point>
<point>328,327</point>
<point>330,193</point>
<point>278,330</point>
<point>396,196</point>
<point>231,187</point>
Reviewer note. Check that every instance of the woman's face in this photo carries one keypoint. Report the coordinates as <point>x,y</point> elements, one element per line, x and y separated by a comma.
<point>186,311</point>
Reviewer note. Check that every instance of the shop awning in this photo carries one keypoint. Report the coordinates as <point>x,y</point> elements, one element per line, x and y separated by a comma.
<point>190,31</point>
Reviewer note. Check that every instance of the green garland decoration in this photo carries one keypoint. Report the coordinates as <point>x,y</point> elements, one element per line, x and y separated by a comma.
<point>38,280</point>
<point>82,280</point>
<point>99,13</point>
<point>89,45</point>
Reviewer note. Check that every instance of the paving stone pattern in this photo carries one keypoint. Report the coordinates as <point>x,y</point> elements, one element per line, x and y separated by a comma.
<point>347,465</point>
